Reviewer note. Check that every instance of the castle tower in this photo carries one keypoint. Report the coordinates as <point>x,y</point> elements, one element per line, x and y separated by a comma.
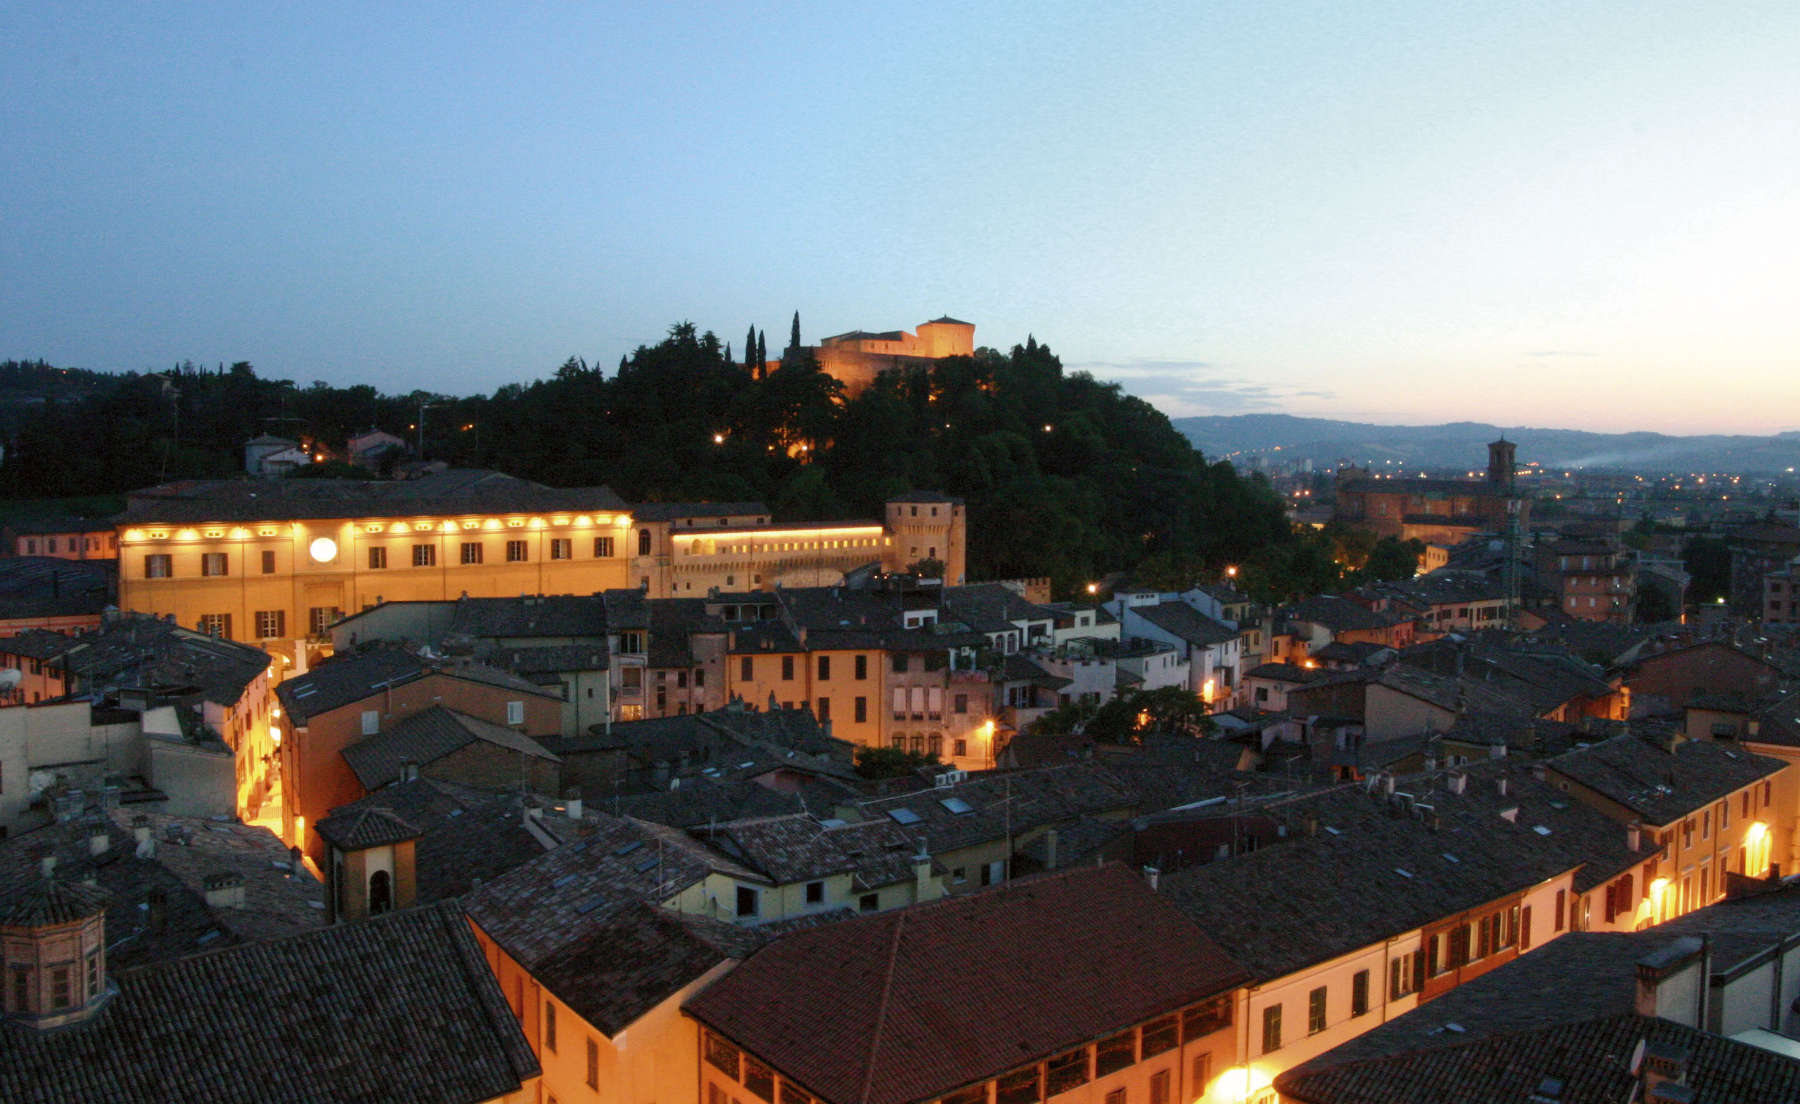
<point>53,952</point>
<point>926,525</point>
<point>1501,464</point>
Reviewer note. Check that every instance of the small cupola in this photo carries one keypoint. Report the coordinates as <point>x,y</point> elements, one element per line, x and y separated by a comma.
<point>53,951</point>
<point>370,865</point>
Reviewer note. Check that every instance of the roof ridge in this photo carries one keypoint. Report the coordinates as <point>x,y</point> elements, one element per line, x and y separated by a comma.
<point>460,928</point>
<point>887,989</point>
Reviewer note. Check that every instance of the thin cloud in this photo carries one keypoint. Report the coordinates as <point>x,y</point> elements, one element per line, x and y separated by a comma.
<point>1188,387</point>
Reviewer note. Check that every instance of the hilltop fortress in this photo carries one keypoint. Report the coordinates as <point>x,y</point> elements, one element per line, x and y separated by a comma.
<point>857,357</point>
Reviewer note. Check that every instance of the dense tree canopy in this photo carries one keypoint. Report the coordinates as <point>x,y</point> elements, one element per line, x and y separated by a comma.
<point>1064,475</point>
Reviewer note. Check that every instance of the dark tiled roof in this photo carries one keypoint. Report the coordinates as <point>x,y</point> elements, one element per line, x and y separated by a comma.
<point>700,801</point>
<point>548,659</point>
<point>426,737</point>
<point>1340,614</point>
<point>465,836</point>
<point>343,679</point>
<point>910,1004</point>
<point>1658,785</point>
<point>551,615</point>
<point>626,609</point>
<point>1588,1058</point>
<point>277,902</point>
<point>398,1008</point>
<point>180,924</point>
<point>447,492</point>
<point>1186,622</point>
<point>639,957</point>
<point>137,650</point>
<point>1315,896</point>
<point>52,901</point>
<point>45,586</point>
<point>369,826</point>
<point>798,848</point>
<point>986,807</point>
<point>565,896</point>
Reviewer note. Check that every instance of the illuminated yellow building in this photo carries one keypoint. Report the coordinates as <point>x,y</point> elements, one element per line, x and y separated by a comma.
<point>1716,813</point>
<point>277,562</point>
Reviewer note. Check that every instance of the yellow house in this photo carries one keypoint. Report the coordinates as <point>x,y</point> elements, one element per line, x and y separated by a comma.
<point>279,561</point>
<point>1715,811</point>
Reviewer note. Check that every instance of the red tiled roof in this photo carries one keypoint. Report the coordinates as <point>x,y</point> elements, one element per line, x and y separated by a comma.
<point>910,1004</point>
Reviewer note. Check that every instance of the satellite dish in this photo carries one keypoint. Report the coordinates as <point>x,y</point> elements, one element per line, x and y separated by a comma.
<point>10,677</point>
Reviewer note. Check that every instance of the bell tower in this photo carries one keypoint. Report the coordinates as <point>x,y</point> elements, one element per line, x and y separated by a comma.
<point>1501,464</point>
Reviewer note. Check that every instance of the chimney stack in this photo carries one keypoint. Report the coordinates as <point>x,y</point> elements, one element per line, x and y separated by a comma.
<point>572,803</point>
<point>1152,876</point>
<point>47,866</point>
<point>1050,849</point>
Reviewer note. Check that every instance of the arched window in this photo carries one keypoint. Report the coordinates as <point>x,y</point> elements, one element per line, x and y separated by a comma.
<point>643,542</point>
<point>381,893</point>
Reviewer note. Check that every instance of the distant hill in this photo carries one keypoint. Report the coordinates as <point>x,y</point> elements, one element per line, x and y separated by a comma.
<point>1328,443</point>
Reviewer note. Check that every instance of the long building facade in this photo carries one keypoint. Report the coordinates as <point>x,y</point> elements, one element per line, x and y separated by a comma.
<point>277,562</point>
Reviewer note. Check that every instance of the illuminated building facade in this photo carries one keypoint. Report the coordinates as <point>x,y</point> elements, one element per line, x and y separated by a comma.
<point>1719,814</point>
<point>276,563</point>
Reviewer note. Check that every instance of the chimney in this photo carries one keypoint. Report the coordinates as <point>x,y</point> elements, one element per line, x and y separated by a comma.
<point>1152,876</point>
<point>1634,837</point>
<point>1458,782</point>
<point>1504,785</point>
<point>572,803</point>
<point>224,890</point>
<point>98,840</point>
<point>923,890</point>
<point>409,771</point>
<point>296,862</point>
<point>47,866</point>
<point>1665,1073</point>
<point>1050,849</point>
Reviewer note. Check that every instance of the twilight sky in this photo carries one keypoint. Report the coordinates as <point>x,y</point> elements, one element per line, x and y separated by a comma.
<point>1579,215</point>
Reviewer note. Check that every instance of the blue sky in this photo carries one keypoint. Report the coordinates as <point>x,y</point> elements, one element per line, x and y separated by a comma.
<point>1581,215</point>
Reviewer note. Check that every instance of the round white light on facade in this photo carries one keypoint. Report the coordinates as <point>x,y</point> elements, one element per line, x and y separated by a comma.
<point>323,550</point>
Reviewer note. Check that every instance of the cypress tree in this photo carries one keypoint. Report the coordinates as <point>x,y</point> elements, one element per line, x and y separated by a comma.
<point>750,352</point>
<point>794,336</point>
<point>762,347</point>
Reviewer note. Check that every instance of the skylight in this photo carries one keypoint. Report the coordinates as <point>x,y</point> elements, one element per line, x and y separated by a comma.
<point>903,815</point>
<point>590,905</point>
<point>647,865</point>
<point>956,805</point>
<point>628,847</point>
<point>1540,830</point>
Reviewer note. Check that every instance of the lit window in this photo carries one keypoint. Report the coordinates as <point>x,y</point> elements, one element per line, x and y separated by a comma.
<point>214,563</point>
